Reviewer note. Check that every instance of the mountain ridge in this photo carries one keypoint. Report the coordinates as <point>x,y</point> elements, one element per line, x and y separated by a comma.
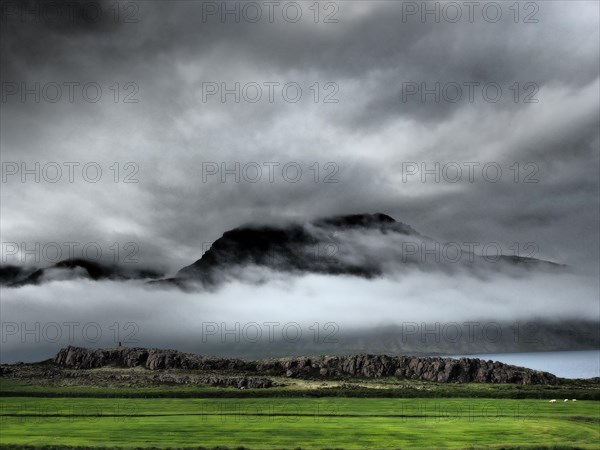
<point>362,245</point>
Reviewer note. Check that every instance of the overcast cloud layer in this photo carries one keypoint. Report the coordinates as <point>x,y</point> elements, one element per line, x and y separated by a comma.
<point>170,52</point>
<point>374,137</point>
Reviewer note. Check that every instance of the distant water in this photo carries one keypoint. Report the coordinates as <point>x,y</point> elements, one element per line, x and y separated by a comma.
<point>575,364</point>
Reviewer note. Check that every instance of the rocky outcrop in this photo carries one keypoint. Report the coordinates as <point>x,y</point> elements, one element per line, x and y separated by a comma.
<point>442,370</point>
<point>153,359</point>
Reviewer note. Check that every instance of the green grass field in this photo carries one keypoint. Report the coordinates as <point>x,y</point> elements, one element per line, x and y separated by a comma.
<point>382,413</point>
<point>328,422</point>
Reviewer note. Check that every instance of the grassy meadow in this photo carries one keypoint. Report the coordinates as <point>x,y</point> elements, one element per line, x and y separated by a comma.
<point>305,415</point>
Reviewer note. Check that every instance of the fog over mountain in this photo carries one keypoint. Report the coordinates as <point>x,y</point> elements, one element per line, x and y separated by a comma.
<point>362,245</point>
<point>150,220</point>
<point>339,284</point>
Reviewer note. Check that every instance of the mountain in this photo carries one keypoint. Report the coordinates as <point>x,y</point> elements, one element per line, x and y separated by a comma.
<point>364,245</point>
<point>14,276</point>
<point>290,248</point>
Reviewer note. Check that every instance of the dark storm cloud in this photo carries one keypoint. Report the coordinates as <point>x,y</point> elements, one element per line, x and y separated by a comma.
<point>36,33</point>
<point>169,52</point>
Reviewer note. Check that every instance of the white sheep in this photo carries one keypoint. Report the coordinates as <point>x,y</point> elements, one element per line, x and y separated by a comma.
<point>574,400</point>
<point>566,399</point>
<point>552,401</point>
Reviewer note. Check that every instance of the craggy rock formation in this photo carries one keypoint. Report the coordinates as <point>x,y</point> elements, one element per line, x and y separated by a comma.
<point>153,359</point>
<point>443,370</point>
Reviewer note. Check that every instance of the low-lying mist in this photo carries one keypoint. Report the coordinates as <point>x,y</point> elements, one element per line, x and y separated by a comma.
<point>295,313</point>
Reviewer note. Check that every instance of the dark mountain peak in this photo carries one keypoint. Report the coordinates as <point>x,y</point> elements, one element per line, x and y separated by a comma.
<point>357,220</point>
<point>377,221</point>
<point>261,245</point>
<point>290,247</point>
<point>331,245</point>
<point>252,235</point>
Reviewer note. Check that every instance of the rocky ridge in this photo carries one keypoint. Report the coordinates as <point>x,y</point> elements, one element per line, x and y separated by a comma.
<point>442,370</point>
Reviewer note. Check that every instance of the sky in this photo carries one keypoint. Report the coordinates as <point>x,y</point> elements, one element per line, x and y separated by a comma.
<point>470,125</point>
<point>170,51</point>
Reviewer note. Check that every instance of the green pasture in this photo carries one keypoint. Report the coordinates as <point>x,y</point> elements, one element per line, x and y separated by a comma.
<point>297,422</point>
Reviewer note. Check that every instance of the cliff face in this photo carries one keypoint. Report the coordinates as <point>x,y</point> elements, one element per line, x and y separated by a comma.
<point>443,370</point>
